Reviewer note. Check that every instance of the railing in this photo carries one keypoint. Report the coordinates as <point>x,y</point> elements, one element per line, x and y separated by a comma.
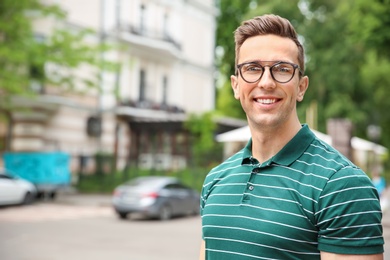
<point>151,33</point>
<point>147,104</point>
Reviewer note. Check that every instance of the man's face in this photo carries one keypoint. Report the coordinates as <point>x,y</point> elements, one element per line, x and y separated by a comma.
<point>268,103</point>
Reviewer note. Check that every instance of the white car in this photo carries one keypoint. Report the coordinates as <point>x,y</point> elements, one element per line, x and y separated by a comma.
<point>14,190</point>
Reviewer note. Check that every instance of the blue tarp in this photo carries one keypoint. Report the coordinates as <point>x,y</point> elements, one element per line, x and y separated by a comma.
<point>39,167</point>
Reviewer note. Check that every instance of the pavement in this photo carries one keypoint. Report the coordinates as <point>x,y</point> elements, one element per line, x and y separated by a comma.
<point>386,220</point>
<point>72,197</point>
<point>385,201</point>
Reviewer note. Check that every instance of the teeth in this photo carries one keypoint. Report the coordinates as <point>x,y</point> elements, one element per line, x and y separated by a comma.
<point>266,101</point>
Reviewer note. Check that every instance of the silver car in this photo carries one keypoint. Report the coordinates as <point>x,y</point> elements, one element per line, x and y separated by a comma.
<point>155,197</point>
<point>14,190</point>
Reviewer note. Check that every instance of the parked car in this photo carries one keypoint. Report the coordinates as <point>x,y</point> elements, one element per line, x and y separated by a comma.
<point>14,190</point>
<point>48,171</point>
<point>155,197</point>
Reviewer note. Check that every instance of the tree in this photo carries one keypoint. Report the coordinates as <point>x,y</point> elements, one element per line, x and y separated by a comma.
<point>349,70</point>
<point>339,90</point>
<point>205,151</point>
<point>369,26</point>
<point>231,15</point>
<point>33,62</point>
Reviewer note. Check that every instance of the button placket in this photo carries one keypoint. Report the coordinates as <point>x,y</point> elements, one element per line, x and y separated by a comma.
<point>254,171</point>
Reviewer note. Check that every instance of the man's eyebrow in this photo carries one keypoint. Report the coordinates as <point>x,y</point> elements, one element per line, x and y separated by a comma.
<point>263,61</point>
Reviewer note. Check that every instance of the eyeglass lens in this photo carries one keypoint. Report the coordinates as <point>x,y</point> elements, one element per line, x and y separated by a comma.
<point>281,72</point>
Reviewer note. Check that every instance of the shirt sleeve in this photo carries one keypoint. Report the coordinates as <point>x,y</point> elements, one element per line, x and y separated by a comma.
<point>349,214</point>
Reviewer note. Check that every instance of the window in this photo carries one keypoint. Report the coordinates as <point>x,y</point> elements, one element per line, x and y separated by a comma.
<point>142,19</point>
<point>144,142</point>
<point>165,25</point>
<point>36,70</point>
<point>142,85</point>
<point>36,77</point>
<point>165,90</point>
<point>166,143</point>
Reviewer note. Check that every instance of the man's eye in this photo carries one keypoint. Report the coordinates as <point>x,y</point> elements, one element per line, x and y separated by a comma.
<point>283,68</point>
<point>252,68</point>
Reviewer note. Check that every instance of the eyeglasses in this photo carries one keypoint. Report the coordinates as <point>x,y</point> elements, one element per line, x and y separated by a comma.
<point>281,71</point>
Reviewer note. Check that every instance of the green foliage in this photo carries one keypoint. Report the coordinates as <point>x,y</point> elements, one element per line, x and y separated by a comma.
<point>232,14</point>
<point>35,60</point>
<point>48,60</point>
<point>369,27</point>
<point>205,150</point>
<point>369,23</point>
<point>226,103</point>
<point>347,70</point>
<point>106,183</point>
<point>333,63</point>
<point>104,163</point>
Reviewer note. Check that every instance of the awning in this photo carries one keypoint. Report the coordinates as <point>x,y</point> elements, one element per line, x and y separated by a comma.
<point>243,134</point>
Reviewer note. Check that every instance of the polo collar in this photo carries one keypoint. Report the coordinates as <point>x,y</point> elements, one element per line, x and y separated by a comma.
<point>290,152</point>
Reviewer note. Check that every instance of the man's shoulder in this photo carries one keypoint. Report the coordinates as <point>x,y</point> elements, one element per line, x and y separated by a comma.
<point>323,155</point>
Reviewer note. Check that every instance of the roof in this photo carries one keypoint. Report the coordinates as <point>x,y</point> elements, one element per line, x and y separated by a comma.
<point>243,134</point>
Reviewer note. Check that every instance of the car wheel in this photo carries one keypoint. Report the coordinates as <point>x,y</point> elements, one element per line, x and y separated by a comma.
<point>52,195</point>
<point>165,213</point>
<point>122,215</point>
<point>40,195</point>
<point>28,198</point>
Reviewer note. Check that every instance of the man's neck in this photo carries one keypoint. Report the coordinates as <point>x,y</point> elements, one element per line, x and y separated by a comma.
<point>266,143</point>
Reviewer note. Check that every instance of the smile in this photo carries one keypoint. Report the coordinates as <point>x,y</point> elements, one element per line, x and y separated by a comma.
<point>266,101</point>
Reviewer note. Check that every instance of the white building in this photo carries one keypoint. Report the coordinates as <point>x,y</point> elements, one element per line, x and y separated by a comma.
<point>167,71</point>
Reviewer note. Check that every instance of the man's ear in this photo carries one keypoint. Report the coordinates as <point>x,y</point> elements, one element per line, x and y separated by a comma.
<point>303,85</point>
<point>235,87</point>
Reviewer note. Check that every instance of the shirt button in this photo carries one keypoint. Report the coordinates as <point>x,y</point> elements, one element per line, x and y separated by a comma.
<point>251,187</point>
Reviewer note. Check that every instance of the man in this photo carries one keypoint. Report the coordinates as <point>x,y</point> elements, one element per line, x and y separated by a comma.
<point>286,195</point>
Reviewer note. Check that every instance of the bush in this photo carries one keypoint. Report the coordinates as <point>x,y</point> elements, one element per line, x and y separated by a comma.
<point>106,183</point>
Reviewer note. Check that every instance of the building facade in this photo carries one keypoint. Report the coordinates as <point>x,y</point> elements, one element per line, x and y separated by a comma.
<point>166,57</point>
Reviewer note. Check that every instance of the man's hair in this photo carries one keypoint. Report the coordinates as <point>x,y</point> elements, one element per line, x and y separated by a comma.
<point>268,24</point>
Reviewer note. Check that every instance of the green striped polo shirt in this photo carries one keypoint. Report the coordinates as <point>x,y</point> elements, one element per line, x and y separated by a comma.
<point>306,199</point>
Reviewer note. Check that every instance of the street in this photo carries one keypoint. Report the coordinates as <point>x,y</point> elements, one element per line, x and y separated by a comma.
<point>59,231</point>
<point>85,227</point>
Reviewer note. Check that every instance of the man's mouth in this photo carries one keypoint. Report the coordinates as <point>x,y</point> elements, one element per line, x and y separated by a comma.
<point>265,101</point>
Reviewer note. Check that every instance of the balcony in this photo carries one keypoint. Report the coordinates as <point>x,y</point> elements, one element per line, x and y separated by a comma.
<point>151,40</point>
<point>150,105</point>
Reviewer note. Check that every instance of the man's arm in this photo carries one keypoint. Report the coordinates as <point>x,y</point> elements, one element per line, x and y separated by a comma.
<point>202,251</point>
<point>332,256</point>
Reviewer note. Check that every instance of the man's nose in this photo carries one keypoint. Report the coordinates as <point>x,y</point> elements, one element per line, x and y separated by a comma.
<point>267,81</point>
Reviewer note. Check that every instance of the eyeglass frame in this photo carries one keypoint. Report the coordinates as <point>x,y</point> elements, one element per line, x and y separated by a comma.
<point>295,66</point>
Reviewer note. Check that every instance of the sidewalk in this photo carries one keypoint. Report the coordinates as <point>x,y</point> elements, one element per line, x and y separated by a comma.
<point>72,197</point>
<point>104,200</point>
<point>386,225</point>
<point>385,199</point>
<point>386,220</point>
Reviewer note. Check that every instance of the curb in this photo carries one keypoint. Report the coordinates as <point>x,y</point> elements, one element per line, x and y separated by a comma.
<point>100,200</point>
